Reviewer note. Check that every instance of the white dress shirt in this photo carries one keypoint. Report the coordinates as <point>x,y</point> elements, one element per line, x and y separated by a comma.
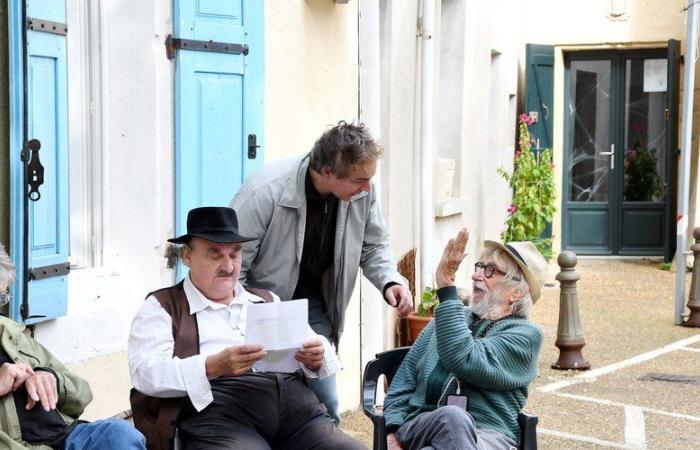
<point>154,370</point>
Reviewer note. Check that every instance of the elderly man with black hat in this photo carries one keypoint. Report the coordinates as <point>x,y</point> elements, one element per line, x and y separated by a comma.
<point>466,378</point>
<point>192,371</point>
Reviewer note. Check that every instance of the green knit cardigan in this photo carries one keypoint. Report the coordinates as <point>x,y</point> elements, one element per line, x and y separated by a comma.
<point>494,370</point>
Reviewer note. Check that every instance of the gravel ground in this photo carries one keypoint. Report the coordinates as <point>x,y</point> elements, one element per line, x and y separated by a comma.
<point>626,309</point>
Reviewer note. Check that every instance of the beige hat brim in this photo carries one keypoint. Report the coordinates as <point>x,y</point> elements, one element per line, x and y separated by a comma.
<point>532,281</point>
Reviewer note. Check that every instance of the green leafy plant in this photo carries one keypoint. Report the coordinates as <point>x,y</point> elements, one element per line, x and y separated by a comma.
<point>534,194</point>
<point>642,182</point>
<point>428,301</point>
<point>665,266</point>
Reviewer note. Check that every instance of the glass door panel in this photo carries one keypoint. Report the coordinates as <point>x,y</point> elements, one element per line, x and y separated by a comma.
<point>645,174</point>
<point>589,140</point>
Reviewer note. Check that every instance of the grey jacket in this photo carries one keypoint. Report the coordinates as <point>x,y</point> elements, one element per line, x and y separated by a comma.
<point>271,207</point>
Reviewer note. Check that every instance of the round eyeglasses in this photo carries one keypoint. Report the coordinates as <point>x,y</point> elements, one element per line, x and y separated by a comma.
<point>489,269</point>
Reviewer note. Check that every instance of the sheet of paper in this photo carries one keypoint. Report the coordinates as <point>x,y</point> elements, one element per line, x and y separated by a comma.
<point>281,328</point>
<point>655,75</point>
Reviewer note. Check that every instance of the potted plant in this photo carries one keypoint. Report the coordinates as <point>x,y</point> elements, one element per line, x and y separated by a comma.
<point>419,319</point>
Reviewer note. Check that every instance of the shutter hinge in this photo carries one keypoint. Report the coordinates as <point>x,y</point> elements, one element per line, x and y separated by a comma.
<point>172,44</point>
<point>46,26</point>
<point>55,270</point>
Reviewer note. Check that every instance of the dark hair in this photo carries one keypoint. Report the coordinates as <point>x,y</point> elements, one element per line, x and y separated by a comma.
<point>342,147</point>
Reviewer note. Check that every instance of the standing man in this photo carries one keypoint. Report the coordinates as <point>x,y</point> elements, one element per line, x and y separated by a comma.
<point>315,221</point>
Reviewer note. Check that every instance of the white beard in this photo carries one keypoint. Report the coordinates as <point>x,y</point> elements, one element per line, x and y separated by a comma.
<point>489,302</point>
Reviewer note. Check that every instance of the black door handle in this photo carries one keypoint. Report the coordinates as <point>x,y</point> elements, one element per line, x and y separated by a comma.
<point>252,146</point>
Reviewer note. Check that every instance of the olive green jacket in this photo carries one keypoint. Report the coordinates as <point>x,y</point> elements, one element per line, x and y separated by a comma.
<point>73,392</point>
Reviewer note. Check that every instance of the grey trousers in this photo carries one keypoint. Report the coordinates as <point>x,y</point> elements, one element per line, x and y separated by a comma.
<point>450,428</point>
<point>262,411</point>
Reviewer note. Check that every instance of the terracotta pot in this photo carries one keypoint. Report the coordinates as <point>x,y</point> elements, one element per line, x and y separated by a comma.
<point>416,324</point>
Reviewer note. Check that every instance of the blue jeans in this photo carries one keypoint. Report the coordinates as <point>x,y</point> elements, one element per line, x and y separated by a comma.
<point>110,434</point>
<point>324,389</point>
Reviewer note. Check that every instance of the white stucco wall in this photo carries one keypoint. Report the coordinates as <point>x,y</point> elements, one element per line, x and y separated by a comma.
<point>311,74</point>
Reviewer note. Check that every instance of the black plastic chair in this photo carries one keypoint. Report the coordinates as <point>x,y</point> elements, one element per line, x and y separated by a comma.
<point>387,363</point>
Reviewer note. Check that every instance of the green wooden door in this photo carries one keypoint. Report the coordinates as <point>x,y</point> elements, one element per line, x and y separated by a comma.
<point>539,99</point>
<point>619,177</point>
<point>539,93</point>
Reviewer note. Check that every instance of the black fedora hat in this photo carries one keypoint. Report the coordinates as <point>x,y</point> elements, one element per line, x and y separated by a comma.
<point>214,223</point>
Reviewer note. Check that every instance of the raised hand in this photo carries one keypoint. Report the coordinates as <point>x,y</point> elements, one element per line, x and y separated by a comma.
<point>452,257</point>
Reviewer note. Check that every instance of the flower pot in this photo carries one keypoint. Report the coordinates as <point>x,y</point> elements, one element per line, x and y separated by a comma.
<point>415,325</point>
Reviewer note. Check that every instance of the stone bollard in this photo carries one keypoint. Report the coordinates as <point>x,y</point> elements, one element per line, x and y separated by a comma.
<point>694,297</point>
<point>569,332</point>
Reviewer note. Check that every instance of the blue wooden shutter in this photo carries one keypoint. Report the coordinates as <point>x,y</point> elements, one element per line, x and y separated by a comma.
<point>46,120</point>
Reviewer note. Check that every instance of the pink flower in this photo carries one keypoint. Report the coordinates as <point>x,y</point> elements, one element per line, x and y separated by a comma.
<point>551,165</point>
<point>524,118</point>
<point>517,153</point>
<point>511,209</point>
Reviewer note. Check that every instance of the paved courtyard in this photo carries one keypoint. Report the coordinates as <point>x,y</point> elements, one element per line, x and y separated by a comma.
<point>643,391</point>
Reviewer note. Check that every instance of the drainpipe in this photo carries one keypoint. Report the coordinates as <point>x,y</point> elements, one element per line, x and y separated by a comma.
<point>684,176</point>
<point>373,338</point>
<point>426,28</point>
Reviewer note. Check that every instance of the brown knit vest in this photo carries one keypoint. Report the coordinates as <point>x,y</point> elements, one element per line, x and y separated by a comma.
<point>156,417</point>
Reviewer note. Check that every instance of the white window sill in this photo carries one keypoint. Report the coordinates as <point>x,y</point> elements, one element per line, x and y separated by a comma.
<point>450,207</point>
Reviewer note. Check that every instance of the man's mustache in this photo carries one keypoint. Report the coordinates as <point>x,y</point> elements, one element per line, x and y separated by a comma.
<point>224,274</point>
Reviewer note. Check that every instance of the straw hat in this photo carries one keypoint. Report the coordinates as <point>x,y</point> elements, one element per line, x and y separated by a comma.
<point>530,261</point>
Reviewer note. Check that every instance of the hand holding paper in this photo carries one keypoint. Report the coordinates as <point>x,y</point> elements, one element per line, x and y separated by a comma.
<point>233,361</point>
<point>311,354</point>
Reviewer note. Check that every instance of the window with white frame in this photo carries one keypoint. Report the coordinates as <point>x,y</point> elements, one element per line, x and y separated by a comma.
<point>85,108</point>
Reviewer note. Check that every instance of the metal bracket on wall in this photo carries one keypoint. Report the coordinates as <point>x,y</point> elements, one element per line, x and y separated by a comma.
<point>47,26</point>
<point>172,44</point>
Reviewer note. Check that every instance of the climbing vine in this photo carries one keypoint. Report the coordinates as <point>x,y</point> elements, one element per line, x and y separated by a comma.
<point>534,194</point>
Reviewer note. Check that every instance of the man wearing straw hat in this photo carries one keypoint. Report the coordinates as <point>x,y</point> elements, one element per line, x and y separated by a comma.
<point>466,378</point>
